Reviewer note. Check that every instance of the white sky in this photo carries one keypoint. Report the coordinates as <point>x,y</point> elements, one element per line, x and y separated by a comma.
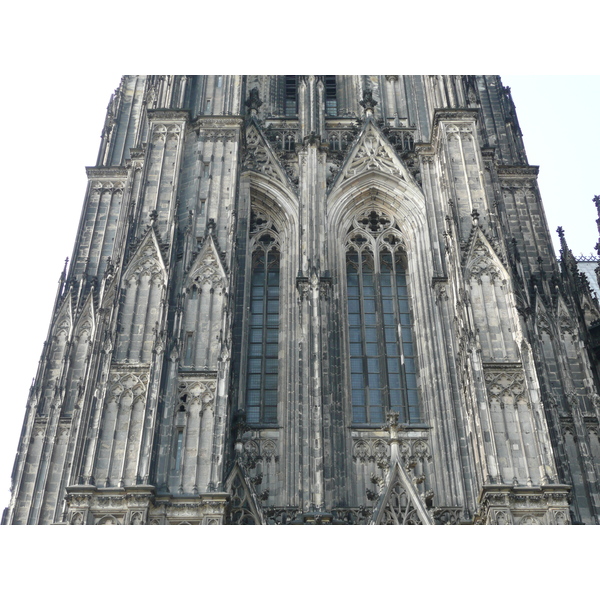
<point>62,61</point>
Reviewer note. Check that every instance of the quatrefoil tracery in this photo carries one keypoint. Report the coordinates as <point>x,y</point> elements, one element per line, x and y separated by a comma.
<point>374,228</point>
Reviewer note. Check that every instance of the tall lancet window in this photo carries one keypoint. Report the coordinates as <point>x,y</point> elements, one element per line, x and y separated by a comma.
<point>263,327</point>
<point>382,358</point>
<point>331,107</point>
<point>291,95</point>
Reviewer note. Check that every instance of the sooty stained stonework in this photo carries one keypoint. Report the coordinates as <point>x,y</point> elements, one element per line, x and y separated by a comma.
<point>314,300</point>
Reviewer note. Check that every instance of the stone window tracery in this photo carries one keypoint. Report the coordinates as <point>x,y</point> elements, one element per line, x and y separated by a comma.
<point>262,368</point>
<point>331,107</point>
<point>291,95</point>
<point>382,356</point>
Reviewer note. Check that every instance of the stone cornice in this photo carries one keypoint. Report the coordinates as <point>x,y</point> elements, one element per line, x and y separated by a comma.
<point>451,115</point>
<point>551,488</point>
<point>517,171</point>
<point>106,172</point>
<point>190,501</point>
<point>423,148</point>
<point>167,115</point>
<point>217,122</point>
<point>454,114</point>
<point>195,374</point>
<point>129,367</point>
<point>502,365</point>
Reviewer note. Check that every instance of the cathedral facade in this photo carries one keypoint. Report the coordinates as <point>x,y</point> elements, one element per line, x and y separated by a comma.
<point>314,300</point>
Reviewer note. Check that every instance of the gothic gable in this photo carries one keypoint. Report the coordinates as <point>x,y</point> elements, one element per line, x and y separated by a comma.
<point>260,158</point>
<point>481,258</point>
<point>543,320</point>
<point>373,152</point>
<point>565,322</point>
<point>207,267</point>
<point>64,318</point>
<point>147,259</point>
<point>400,502</point>
<point>87,317</point>
<point>108,292</point>
<point>244,507</point>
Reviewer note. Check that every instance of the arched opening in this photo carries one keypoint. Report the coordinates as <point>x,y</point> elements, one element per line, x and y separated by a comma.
<point>382,363</point>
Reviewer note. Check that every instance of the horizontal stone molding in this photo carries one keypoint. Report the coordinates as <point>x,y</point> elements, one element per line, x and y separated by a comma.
<point>119,173</point>
<point>166,115</point>
<point>519,171</point>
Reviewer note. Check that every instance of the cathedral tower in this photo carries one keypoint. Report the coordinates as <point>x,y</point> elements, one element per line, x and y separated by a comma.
<point>314,299</point>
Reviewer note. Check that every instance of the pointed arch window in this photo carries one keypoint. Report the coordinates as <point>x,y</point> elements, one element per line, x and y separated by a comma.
<point>382,356</point>
<point>291,95</point>
<point>331,107</point>
<point>262,367</point>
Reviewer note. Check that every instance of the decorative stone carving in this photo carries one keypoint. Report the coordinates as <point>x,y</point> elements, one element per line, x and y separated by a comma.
<point>192,390</point>
<point>529,520</point>
<point>127,383</point>
<point>77,518</point>
<point>505,385</point>
<point>243,505</point>
<point>146,260</point>
<point>371,155</point>
<point>207,268</point>
<point>258,450</point>
<point>258,157</point>
<point>481,262</point>
<point>400,510</point>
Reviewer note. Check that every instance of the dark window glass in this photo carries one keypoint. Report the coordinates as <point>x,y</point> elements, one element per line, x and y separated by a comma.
<point>291,95</point>
<point>382,366</point>
<point>330,96</point>
<point>263,337</point>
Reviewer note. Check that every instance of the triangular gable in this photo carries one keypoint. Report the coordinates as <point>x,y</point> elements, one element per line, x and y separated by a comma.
<point>107,294</point>
<point>244,506</point>
<point>260,158</point>
<point>563,317</point>
<point>87,316</point>
<point>542,319</point>
<point>147,258</point>
<point>64,315</point>
<point>400,502</point>
<point>372,152</point>
<point>207,267</point>
<point>481,258</point>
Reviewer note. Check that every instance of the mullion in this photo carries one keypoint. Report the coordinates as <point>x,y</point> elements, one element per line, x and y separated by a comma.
<point>375,401</point>
<point>272,296</point>
<point>264,339</point>
<point>405,417</point>
<point>256,353</point>
<point>358,394</point>
<point>363,339</point>
<point>384,356</point>
<point>412,415</point>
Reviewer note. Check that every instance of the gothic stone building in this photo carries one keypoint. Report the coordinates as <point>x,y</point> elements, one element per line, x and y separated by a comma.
<point>314,299</point>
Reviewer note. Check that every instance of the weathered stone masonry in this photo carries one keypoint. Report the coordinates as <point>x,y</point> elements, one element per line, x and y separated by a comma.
<point>318,300</point>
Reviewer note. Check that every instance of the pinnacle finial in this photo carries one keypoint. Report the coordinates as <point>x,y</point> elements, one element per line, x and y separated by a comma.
<point>254,102</point>
<point>239,427</point>
<point>368,102</point>
<point>392,426</point>
<point>63,275</point>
